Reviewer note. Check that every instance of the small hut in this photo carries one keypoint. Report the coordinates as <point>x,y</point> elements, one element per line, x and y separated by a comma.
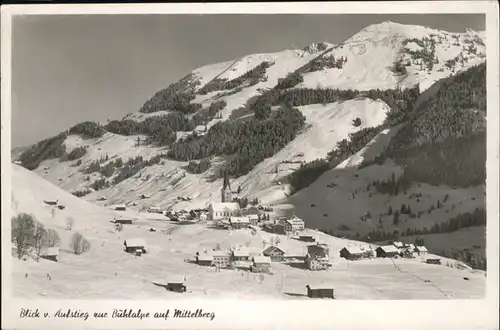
<point>50,202</point>
<point>320,291</point>
<point>135,246</point>
<point>52,253</point>
<point>176,285</point>
<point>120,207</point>
<point>123,221</point>
<point>307,238</point>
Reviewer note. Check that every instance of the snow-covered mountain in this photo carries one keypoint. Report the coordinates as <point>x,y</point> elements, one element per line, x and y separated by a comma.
<point>385,56</point>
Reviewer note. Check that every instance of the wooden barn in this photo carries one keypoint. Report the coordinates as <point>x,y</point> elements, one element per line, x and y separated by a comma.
<point>434,261</point>
<point>52,253</point>
<point>351,253</point>
<point>176,285</point>
<point>120,208</point>
<point>204,259</point>
<point>123,221</point>
<point>387,251</point>
<point>261,264</point>
<point>135,246</point>
<point>322,291</point>
<point>274,252</point>
<point>50,202</point>
<point>307,238</point>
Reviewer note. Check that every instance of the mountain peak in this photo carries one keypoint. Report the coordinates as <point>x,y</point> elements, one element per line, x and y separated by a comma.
<point>318,46</point>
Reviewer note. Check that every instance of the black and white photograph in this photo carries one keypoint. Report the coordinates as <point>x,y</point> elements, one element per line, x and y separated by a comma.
<point>253,157</point>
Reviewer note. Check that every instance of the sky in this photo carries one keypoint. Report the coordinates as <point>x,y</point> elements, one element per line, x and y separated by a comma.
<point>70,69</point>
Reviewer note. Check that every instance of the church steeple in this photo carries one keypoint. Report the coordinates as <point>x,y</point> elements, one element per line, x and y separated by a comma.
<point>226,189</point>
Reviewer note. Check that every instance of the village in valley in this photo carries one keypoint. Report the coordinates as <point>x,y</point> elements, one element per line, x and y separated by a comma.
<point>228,216</point>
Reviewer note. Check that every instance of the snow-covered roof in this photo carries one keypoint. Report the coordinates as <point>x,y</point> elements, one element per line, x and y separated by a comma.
<point>225,207</point>
<point>421,249</point>
<point>253,216</point>
<point>220,253</point>
<point>241,253</point>
<point>51,251</point>
<point>272,248</point>
<point>243,263</point>
<point>135,242</point>
<point>295,221</point>
<point>241,220</point>
<point>205,256</point>
<point>120,206</point>
<point>398,244</point>
<point>318,286</point>
<point>261,260</point>
<point>410,246</point>
<point>389,248</point>
<point>176,279</point>
<point>353,250</point>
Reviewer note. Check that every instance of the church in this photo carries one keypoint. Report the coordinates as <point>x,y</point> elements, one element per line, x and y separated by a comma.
<point>226,208</point>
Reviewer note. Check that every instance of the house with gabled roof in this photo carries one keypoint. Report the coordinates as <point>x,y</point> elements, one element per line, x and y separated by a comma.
<point>351,253</point>
<point>261,264</point>
<point>387,251</point>
<point>274,252</point>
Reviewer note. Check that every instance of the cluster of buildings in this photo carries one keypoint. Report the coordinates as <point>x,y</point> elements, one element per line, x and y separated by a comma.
<point>317,258</point>
<point>229,214</point>
<point>391,250</point>
<point>241,258</point>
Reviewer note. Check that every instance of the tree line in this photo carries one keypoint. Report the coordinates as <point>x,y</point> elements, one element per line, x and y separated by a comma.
<point>176,97</point>
<point>249,142</point>
<point>251,77</point>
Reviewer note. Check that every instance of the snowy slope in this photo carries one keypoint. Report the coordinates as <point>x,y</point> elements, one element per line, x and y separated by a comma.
<point>106,271</point>
<point>326,125</point>
<point>372,52</point>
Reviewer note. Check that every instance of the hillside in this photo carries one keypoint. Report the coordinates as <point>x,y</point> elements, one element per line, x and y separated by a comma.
<point>287,124</point>
<point>107,271</point>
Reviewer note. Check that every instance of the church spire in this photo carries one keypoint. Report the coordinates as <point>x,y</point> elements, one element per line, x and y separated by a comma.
<point>226,195</point>
<point>226,184</point>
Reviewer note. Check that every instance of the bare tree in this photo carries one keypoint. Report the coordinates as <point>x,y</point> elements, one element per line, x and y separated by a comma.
<point>119,227</point>
<point>22,230</point>
<point>277,240</point>
<point>52,238</point>
<point>217,247</point>
<point>53,212</point>
<point>39,238</point>
<point>69,223</point>
<point>79,244</point>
